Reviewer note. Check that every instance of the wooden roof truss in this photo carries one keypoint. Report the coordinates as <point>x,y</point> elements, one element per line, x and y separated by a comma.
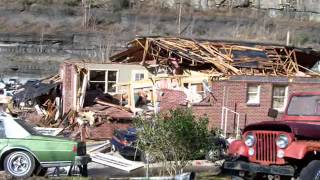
<point>214,57</point>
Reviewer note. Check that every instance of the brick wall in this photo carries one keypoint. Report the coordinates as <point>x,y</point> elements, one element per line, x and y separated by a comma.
<point>170,99</point>
<point>68,73</point>
<point>235,98</point>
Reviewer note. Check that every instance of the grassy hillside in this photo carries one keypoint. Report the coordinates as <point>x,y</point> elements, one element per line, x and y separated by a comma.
<point>121,20</point>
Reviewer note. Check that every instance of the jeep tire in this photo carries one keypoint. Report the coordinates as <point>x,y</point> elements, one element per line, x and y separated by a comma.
<point>311,171</point>
<point>19,164</point>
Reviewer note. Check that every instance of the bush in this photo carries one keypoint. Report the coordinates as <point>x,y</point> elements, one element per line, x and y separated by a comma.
<point>177,136</point>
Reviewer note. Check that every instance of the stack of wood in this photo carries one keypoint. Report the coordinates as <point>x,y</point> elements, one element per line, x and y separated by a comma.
<point>50,115</point>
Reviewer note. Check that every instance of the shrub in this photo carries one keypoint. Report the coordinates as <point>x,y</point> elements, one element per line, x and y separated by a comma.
<point>177,136</point>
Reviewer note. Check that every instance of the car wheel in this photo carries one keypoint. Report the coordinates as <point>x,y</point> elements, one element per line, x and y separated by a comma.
<point>19,164</point>
<point>311,171</point>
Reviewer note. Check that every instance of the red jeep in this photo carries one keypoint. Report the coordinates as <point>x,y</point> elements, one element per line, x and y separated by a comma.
<point>289,148</point>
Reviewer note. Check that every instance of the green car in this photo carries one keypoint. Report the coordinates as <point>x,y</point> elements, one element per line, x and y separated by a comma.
<point>24,152</point>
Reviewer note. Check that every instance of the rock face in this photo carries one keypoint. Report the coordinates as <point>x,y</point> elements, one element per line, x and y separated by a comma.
<point>36,37</point>
<point>34,56</point>
<point>299,5</point>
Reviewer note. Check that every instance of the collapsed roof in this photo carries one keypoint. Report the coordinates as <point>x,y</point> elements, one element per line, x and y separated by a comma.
<point>219,58</point>
<point>36,88</point>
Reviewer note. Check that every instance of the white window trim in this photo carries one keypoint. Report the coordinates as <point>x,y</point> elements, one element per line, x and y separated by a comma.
<point>117,80</point>
<point>106,79</point>
<point>258,94</point>
<point>286,91</point>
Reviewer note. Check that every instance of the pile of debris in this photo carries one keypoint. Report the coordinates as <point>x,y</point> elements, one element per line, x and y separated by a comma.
<point>41,103</point>
<point>219,58</point>
<point>97,112</point>
<point>42,99</point>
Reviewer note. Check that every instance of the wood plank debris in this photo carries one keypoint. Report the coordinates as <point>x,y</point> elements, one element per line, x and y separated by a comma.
<point>115,162</point>
<point>224,57</point>
<point>109,159</point>
<point>111,105</point>
<point>100,148</point>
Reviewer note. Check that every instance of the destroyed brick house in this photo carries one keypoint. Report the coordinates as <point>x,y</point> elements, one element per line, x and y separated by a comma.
<point>90,90</point>
<point>233,83</point>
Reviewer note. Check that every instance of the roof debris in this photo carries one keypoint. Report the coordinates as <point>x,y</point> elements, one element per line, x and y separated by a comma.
<point>219,58</point>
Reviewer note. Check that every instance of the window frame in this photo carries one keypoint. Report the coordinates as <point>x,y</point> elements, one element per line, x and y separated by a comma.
<point>135,72</point>
<point>285,101</point>
<point>258,94</point>
<point>190,84</point>
<point>116,81</point>
<point>106,90</point>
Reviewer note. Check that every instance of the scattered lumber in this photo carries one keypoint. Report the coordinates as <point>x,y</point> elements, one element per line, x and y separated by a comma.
<point>111,105</point>
<point>100,148</point>
<point>115,162</point>
<point>214,57</point>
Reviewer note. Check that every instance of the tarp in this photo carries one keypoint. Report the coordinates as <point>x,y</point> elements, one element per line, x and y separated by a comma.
<point>33,90</point>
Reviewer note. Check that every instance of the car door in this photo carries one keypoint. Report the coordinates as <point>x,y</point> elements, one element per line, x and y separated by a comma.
<point>3,138</point>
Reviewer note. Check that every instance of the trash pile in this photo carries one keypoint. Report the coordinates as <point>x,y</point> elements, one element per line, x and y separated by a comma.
<point>40,100</point>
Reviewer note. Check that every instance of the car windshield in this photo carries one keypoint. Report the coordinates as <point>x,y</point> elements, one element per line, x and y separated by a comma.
<point>308,105</point>
<point>26,126</point>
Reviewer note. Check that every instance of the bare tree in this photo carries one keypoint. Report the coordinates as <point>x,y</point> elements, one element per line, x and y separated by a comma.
<point>86,5</point>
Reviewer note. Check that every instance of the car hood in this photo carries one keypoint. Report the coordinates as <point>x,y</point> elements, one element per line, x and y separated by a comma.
<point>50,138</point>
<point>300,130</point>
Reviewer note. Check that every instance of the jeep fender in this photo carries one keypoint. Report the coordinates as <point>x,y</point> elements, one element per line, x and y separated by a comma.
<point>238,148</point>
<point>298,149</point>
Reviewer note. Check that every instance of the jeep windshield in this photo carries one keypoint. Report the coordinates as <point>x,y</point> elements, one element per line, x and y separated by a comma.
<point>306,105</point>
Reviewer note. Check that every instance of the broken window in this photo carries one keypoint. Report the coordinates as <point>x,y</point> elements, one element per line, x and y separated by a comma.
<point>194,91</point>
<point>97,76</point>
<point>197,88</point>
<point>97,80</point>
<point>112,81</point>
<point>103,80</point>
<point>253,94</point>
<point>279,97</point>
